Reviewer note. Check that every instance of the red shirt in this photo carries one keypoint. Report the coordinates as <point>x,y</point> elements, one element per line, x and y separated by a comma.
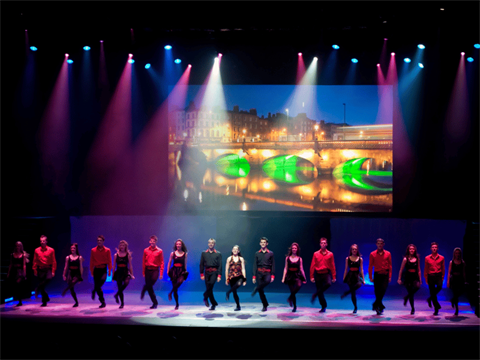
<point>44,258</point>
<point>434,265</point>
<point>382,263</point>
<point>152,258</point>
<point>100,256</point>
<point>322,262</point>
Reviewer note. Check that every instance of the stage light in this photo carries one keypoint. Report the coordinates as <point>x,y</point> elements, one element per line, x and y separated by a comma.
<point>189,65</point>
<point>420,65</point>
<point>407,60</point>
<point>462,53</point>
<point>393,54</point>
<point>70,61</point>
<point>177,61</point>
<point>220,55</point>
<point>131,61</point>
<point>86,48</point>
<point>130,55</point>
<point>476,46</point>
<point>101,41</point>
<point>315,58</point>
<point>66,55</point>
<point>354,60</point>
<point>421,46</point>
<point>299,54</point>
<point>385,39</point>
<point>147,66</point>
<point>470,59</point>
<point>378,65</point>
<point>168,47</point>
<point>33,48</point>
<point>336,47</point>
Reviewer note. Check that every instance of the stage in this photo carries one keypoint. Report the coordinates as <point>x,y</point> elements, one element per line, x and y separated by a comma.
<point>134,329</point>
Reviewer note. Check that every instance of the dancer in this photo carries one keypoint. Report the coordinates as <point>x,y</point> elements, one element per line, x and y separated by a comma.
<point>100,260</point>
<point>456,277</point>
<point>293,274</point>
<point>152,267</point>
<point>434,274</point>
<point>353,275</point>
<point>122,261</point>
<point>322,272</point>
<point>74,268</point>
<point>263,271</point>
<point>381,261</point>
<point>178,272</point>
<point>235,274</point>
<point>210,271</point>
<point>44,267</point>
<point>413,275</point>
<point>17,271</point>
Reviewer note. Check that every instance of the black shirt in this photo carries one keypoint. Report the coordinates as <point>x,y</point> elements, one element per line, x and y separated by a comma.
<point>211,259</point>
<point>264,260</point>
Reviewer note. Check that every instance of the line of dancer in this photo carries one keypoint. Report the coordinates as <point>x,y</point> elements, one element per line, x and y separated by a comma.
<point>322,272</point>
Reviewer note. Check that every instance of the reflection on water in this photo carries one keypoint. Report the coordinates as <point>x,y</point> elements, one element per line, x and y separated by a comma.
<point>251,181</point>
<point>289,169</point>
<point>353,175</point>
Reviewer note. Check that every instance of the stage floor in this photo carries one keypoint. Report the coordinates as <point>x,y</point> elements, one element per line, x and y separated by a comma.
<point>60,331</point>
<point>191,313</point>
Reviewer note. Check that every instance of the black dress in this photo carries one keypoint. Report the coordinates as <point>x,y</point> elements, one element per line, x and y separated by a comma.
<point>293,271</point>
<point>74,269</point>
<point>178,268</point>
<point>16,272</point>
<point>122,272</point>
<point>457,280</point>
<point>353,274</point>
<point>410,275</point>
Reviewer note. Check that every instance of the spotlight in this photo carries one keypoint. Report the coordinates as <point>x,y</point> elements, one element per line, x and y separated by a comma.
<point>354,60</point>
<point>299,54</point>
<point>147,66</point>
<point>86,48</point>
<point>220,55</point>
<point>393,54</point>
<point>378,65</point>
<point>101,41</point>
<point>130,55</point>
<point>178,61</point>
<point>70,61</point>
<point>385,39</point>
<point>315,58</point>
<point>168,47</point>
<point>66,55</point>
<point>33,48</point>
<point>336,47</point>
<point>420,65</point>
<point>476,46</point>
<point>462,53</point>
<point>470,59</point>
<point>131,61</point>
<point>421,46</point>
<point>189,65</point>
<point>407,60</point>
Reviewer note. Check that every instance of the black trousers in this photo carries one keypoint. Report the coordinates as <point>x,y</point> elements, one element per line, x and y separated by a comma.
<point>435,286</point>
<point>380,284</point>
<point>457,285</point>
<point>412,287</point>
<point>263,279</point>
<point>44,278</point>
<point>210,279</point>
<point>151,277</point>
<point>71,282</point>
<point>99,278</point>
<point>294,286</point>
<point>322,282</point>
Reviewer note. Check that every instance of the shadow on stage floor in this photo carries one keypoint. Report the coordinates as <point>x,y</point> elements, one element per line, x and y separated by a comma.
<point>193,331</point>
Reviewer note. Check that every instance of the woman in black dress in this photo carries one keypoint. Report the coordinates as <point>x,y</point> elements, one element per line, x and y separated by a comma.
<point>456,277</point>
<point>178,271</point>
<point>17,271</point>
<point>353,275</point>
<point>235,274</point>
<point>73,271</point>
<point>413,275</point>
<point>122,263</point>
<point>293,274</point>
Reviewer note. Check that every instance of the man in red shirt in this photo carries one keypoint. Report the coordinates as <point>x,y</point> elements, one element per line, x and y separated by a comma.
<point>322,272</point>
<point>44,266</point>
<point>434,274</point>
<point>381,261</point>
<point>152,268</point>
<point>100,260</point>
